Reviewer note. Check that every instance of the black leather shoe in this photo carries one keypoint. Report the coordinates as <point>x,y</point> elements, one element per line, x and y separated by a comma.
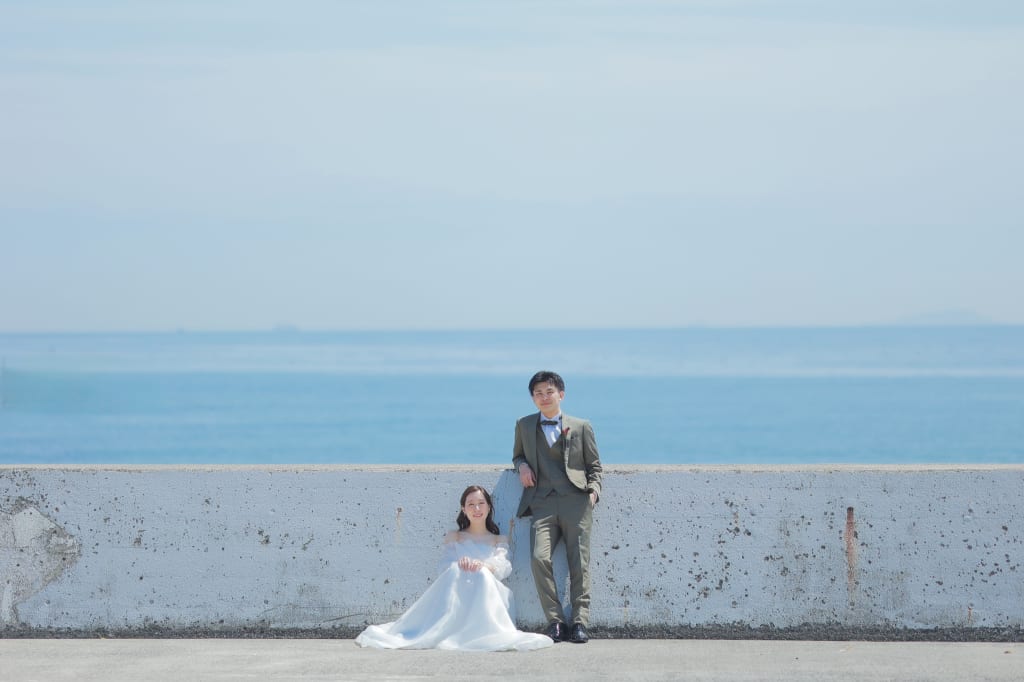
<point>579,634</point>
<point>557,631</point>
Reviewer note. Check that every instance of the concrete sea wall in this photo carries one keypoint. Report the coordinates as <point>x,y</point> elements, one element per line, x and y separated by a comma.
<point>691,551</point>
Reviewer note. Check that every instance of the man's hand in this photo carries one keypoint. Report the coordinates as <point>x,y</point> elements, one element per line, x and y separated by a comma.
<point>526,476</point>
<point>593,498</point>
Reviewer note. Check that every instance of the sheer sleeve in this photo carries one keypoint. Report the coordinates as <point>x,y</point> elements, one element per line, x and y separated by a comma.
<point>499,562</point>
<point>449,555</point>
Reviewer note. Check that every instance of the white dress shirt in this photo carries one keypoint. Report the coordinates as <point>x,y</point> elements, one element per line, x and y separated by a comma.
<point>552,431</point>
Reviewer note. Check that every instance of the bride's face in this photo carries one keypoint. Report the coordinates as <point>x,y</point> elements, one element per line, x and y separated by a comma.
<point>476,507</point>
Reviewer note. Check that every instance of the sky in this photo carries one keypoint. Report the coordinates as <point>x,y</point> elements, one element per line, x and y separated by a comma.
<point>497,164</point>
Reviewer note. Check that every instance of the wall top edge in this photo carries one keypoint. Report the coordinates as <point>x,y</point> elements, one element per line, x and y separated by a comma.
<point>497,469</point>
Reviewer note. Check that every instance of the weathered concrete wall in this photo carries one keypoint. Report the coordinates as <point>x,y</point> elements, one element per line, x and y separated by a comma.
<point>206,550</point>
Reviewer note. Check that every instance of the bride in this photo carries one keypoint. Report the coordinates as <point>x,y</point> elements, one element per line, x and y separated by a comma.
<point>467,607</point>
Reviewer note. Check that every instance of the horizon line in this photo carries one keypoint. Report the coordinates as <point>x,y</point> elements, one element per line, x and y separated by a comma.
<point>295,329</point>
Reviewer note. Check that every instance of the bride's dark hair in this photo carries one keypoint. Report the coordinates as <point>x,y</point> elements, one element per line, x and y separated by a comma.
<point>463,521</point>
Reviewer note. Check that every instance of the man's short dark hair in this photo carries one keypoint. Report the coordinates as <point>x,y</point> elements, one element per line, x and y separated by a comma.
<point>546,376</point>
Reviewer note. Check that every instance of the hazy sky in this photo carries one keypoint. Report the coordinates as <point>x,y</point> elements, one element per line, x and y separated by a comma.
<point>336,165</point>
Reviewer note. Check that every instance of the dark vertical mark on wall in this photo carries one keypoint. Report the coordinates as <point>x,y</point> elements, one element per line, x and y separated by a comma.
<point>850,536</point>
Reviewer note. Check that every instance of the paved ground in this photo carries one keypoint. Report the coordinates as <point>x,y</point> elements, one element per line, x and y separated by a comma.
<point>332,659</point>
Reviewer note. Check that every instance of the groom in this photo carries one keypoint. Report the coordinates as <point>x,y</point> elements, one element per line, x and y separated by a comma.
<point>559,467</point>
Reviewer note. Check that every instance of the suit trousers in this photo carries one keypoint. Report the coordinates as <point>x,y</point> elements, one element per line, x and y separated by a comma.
<point>567,518</point>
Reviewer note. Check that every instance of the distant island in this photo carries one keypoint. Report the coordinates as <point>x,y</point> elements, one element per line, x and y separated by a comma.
<point>945,318</point>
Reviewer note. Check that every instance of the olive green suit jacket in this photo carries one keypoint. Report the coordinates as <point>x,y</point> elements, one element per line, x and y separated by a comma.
<point>580,455</point>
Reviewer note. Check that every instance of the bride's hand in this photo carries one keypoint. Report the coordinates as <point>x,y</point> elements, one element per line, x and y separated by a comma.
<point>467,564</point>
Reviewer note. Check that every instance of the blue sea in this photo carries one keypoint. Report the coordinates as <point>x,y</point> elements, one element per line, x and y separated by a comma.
<point>872,395</point>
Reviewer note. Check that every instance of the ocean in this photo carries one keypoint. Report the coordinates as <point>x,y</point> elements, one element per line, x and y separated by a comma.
<point>865,395</point>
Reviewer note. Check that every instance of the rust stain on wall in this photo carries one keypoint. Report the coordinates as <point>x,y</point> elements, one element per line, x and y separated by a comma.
<point>850,536</point>
<point>398,526</point>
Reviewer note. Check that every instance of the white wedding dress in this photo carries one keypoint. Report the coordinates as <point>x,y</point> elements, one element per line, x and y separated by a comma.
<point>462,610</point>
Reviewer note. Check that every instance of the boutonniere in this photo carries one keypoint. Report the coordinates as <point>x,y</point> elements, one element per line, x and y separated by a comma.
<point>565,434</point>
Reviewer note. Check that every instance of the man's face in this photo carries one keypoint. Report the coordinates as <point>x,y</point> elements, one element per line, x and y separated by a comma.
<point>548,398</point>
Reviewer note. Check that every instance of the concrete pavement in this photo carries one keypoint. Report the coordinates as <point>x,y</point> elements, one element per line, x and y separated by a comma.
<point>48,660</point>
